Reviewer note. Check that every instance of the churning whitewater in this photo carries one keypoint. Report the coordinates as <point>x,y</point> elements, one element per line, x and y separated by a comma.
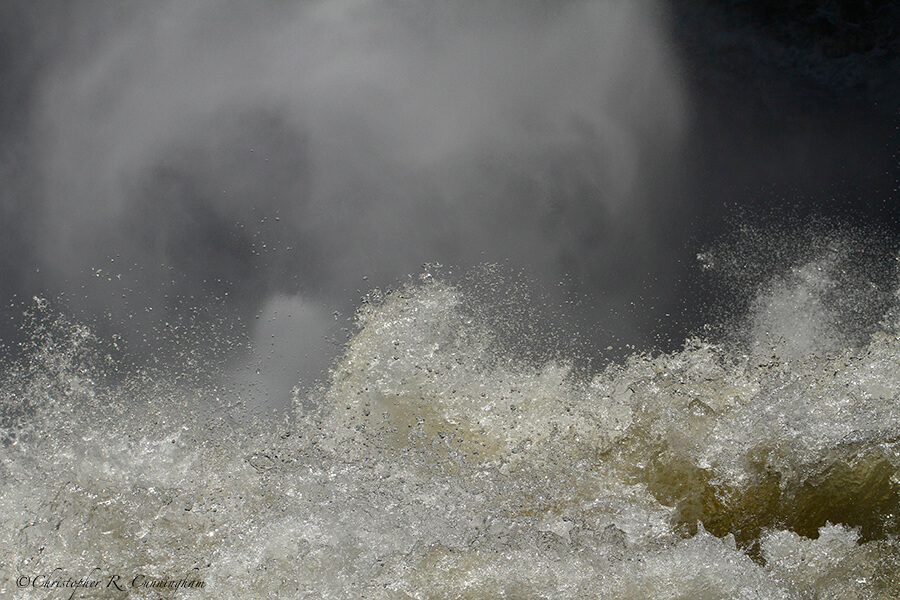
<point>439,461</point>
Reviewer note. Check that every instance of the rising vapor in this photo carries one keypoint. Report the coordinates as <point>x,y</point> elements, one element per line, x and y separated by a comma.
<point>197,161</point>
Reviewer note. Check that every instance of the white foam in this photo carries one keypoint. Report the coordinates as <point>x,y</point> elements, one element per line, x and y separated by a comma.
<point>437,464</point>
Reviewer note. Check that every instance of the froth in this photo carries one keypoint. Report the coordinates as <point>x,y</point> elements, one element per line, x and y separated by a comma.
<point>436,463</point>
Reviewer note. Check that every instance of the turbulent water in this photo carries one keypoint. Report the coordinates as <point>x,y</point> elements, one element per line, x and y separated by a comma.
<point>441,460</point>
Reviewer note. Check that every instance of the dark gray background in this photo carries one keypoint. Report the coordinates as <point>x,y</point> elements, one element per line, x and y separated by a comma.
<point>186,175</point>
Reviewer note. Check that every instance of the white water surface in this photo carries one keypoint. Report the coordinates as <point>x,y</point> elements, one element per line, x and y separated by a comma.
<point>436,462</point>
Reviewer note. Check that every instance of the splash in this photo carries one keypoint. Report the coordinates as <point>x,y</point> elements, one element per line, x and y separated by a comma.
<point>439,463</point>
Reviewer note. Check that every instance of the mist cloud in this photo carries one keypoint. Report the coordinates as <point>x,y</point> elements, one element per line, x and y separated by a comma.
<point>219,154</point>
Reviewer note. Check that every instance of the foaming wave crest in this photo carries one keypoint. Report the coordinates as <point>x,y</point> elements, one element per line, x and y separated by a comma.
<point>438,462</point>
